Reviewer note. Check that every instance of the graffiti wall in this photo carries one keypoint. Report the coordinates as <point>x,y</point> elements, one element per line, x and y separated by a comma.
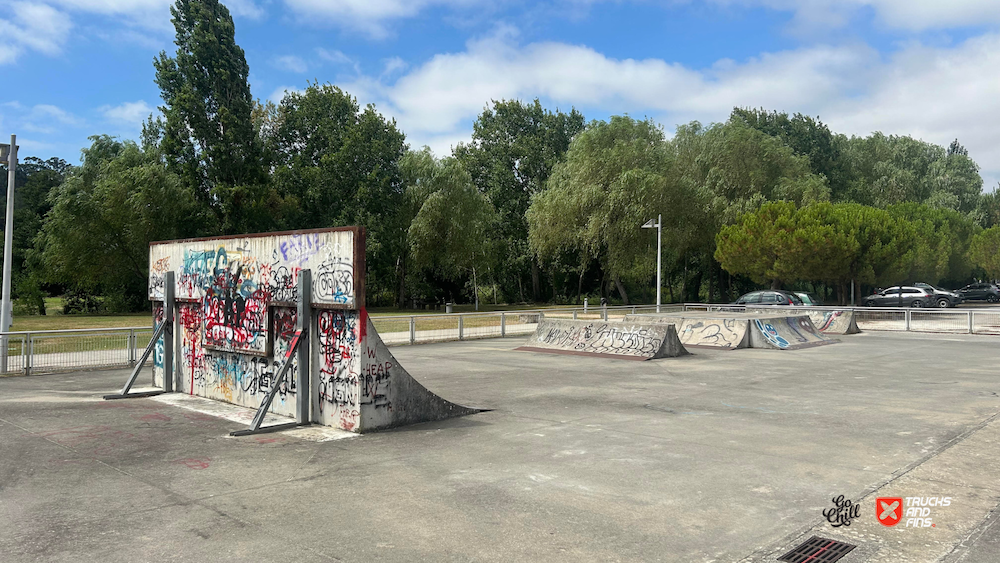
<point>236,317</point>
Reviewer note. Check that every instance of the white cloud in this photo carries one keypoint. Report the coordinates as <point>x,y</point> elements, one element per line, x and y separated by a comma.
<point>909,15</point>
<point>368,16</point>
<point>936,94</point>
<point>279,93</point>
<point>42,118</point>
<point>128,113</point>
<point>150,13</point>
<point>290,63</point>
<point>33,26</point>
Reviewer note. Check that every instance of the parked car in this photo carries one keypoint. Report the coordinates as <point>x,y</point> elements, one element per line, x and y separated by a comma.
<point>769,297</point>
<point>980,292</point>
<point>905,296</point>
<point>942,297</point>
<point>809,299</point>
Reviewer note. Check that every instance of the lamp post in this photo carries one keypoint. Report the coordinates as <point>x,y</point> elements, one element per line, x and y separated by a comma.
<point>658,225</point>
<point>9,151</point>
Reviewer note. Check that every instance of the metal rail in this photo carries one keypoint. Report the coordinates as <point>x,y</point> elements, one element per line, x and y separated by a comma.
<point>979,320</point>
<point>45,351</point>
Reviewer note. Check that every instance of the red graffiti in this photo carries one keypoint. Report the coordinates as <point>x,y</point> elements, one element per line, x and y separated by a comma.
<point>194,462</point>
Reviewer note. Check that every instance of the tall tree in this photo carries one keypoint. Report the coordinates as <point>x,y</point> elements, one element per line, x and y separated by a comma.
<point>338,164</point>
<point>807,137</point>
<point>985,251</point>
<point>514,147</point>
<point>448,236</point>
<point>616,176</point>
<point>209,139</point>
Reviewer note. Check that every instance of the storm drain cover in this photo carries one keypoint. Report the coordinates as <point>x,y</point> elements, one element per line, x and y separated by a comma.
<point>818,550</point>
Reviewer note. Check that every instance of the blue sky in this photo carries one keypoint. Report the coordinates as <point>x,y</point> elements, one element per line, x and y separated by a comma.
<point>926,68</point>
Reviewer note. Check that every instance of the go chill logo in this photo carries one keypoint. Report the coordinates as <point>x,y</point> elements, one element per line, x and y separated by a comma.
<point>916,510</point>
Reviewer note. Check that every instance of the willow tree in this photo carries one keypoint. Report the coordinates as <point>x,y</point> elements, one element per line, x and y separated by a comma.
<point>615,177</point>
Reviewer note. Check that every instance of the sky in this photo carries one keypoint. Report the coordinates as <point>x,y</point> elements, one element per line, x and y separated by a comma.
<point>930,69</point>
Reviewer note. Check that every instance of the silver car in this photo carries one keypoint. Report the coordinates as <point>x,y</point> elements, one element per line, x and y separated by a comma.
<point>900,296</point>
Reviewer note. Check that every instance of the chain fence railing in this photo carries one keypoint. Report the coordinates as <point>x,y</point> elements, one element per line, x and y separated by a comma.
<point>62,350</point>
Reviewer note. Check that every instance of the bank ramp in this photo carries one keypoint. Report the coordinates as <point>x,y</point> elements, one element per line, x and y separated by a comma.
<point>730,331</point>
<point>828,321</point>
<point>616,340</point>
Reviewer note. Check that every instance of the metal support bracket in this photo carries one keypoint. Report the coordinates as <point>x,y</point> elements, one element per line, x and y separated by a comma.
<point>138,367</point>
<point>279,378</point>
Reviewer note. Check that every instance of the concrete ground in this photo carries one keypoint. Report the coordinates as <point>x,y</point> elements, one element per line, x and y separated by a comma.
<point>718,456</point>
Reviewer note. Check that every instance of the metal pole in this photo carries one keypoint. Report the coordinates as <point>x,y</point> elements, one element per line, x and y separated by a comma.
<point>659,286</point>
<point>168,332</point>
<point>302,379</point>
<point>8,243</point>
<point>503,324</point>
<point>413,330</point>
<point>460,328</point>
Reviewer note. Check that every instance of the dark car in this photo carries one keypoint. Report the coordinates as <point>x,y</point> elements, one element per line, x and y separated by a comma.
<point>905,296</point>
<point>942,297</point>
<point>769,297</point>
<point>980,292</point>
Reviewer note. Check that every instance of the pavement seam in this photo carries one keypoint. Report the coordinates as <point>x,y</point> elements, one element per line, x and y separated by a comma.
<point>791,538</point>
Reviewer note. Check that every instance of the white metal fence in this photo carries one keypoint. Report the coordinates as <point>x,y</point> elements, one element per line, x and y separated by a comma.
<point>968,321</point>
<point>61,350</point>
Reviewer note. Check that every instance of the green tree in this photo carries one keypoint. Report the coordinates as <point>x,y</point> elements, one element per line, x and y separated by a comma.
<point>35,178</point>
<point>780,243</point>
<point>96,237</point>
<point>337,164</point>
<point>616,176</point>
<point>985,251</point>
<point>941,244</point>
<point>514,147</point>
<point>807,137</point>
<point>208,136</point>
<point>448,236</point>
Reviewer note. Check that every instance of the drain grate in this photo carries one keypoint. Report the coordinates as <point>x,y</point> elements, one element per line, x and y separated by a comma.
<point>818,550</point>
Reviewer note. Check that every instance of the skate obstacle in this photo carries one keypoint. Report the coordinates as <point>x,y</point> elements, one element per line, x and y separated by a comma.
<point>616,340</point>
<point>828,321</point>
<point>730,331</point>
<point>277,322</point>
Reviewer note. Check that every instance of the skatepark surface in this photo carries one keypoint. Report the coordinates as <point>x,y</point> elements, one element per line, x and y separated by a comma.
<point>716,456</point>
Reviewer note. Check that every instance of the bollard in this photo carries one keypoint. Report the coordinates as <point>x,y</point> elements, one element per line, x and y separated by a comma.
<point>503,325</point>
<point>460,327</point>
<point>413,330</point>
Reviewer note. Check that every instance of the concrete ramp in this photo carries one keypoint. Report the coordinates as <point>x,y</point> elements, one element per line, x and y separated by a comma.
<point>835,322</point>
<point>617,340</point>
<point>390,396</point>
<point>702,330</point>
<point>714,333</point>
<point>750,329</point>
<point>786,333</point>
<point>831,321</point>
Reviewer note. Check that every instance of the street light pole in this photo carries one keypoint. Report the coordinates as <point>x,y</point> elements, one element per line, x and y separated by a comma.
<point>8,236</point>
<point>659,228</point>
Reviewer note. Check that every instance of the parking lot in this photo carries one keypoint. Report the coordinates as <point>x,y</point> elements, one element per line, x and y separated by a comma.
<point>717,456</point>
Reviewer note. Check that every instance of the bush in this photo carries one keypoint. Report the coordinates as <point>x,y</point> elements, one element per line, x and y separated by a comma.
<point>81,302</point>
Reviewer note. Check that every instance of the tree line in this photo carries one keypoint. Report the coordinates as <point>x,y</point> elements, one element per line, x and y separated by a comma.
<point>539,205</point>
